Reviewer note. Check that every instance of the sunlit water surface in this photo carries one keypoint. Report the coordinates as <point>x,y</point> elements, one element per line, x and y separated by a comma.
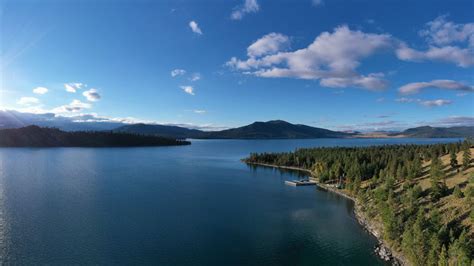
<point>194,205</point>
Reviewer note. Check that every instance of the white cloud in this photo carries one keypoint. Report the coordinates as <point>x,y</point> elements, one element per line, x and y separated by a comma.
<point>317,2</point>
<point>199,111</point>
<point>442,32</point>
<point>195,77</point>
<point>92,95</point>
<point>74,107</point>
<point>427,103</point>
<point>195,27</point>
<point>445,39</point>
<point>406,100</point>
<point>73,87</point>
<point>177,72</point>
<point>40,90</point>
<point>462,57</point>
<point>27,101</point>
<point>249,6</point>
<point>439,102</point>
<point>268,44</point>
<point>455,121</point>
<point>332,57</point>
<point>373,81</point>
<point>188,89</point>
<point>416,87</point>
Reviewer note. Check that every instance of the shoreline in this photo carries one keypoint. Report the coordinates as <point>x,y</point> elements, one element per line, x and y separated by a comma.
<point>382,250</point>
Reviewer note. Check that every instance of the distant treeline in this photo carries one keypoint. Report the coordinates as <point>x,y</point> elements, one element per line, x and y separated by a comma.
<point>34,136</point>
<point>404,188</point>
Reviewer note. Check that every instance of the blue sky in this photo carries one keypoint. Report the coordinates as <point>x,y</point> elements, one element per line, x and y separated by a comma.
<point>331,63</point>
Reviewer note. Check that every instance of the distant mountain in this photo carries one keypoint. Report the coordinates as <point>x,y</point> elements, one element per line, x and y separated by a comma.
<point>34,136</point>
<point>161,130</point>
<point>438,132</point>
<point>15,119</point>
<point>276,129</point>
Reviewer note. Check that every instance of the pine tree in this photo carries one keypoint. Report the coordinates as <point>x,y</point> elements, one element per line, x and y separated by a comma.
<point>437,187</point>
<point>466,155</point>
<point>434,251</point>
<point>454,160</point>
<point>457,192</point>
<point>443,257</point>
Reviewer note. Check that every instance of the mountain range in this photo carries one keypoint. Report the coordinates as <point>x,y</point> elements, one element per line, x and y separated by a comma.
<point>275,129</point>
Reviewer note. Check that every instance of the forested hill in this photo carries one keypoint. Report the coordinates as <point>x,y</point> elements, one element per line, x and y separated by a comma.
<point>419,197</point>
<point>161,130</point>
<point>34,136</point>
<point>276,129</point>
<point>439,132</point>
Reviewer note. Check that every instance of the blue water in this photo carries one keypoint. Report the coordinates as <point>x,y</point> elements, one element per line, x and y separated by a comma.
<point>187,205</point>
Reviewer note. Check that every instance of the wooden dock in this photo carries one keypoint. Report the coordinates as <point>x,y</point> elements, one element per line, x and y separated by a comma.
<point>300,183</point>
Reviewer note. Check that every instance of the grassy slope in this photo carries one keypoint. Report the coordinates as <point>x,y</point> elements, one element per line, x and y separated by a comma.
<point>452,209</point>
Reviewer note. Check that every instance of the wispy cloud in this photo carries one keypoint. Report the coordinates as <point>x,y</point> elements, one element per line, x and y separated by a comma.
<point>438,102</point>
<point>249,6</point>
<point>28,101</point>
<point>200,111</point>
<point>40,90</point>
<point>445,40</point>
<point>195,77</point>
<point>268,44</point>
<point>317,3</point>
<point>92,95</point>
<point>188,89</point>
<point>427,103</point>
<point>74,107</point>
<point>73,87</point>
<point>177,72</point>
<point>195,27</point>
<point>455,121</point>
<point>416,87</point>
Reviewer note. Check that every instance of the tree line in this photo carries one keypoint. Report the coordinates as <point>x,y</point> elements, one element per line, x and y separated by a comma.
<point>385,181</point>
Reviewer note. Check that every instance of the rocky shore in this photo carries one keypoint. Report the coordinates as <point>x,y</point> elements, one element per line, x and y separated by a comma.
<point>382,249</point>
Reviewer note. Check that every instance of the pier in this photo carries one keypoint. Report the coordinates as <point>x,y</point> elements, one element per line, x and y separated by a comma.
<point>300,183</point>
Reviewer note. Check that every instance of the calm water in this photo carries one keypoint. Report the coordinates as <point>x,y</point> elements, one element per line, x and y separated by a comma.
<point>195,205</point>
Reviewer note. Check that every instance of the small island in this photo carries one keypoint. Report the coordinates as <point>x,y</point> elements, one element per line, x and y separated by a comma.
<point>34,136</point>
<point>418,200</point>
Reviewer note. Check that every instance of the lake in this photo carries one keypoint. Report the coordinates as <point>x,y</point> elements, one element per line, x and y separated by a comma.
<point>185,205</point>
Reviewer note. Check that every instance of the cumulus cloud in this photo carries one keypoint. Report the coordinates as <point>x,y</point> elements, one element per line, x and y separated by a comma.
<point>445,39</point>
<point>74,107</point>
<point>188,89</point>
<point>249,6</point>
<point>332,58</point>
<point>195,77</point>
<point>40,90</point>
<point>463,57</point>
<point>73,87</point>
<point>28,101</point>
<point>427,103</point>
<point>268,44</point>
<point>440,32</point>
<point>195,27</point>
<point>177,72</point>
<point>92,95</point>
<point>416,87</point>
